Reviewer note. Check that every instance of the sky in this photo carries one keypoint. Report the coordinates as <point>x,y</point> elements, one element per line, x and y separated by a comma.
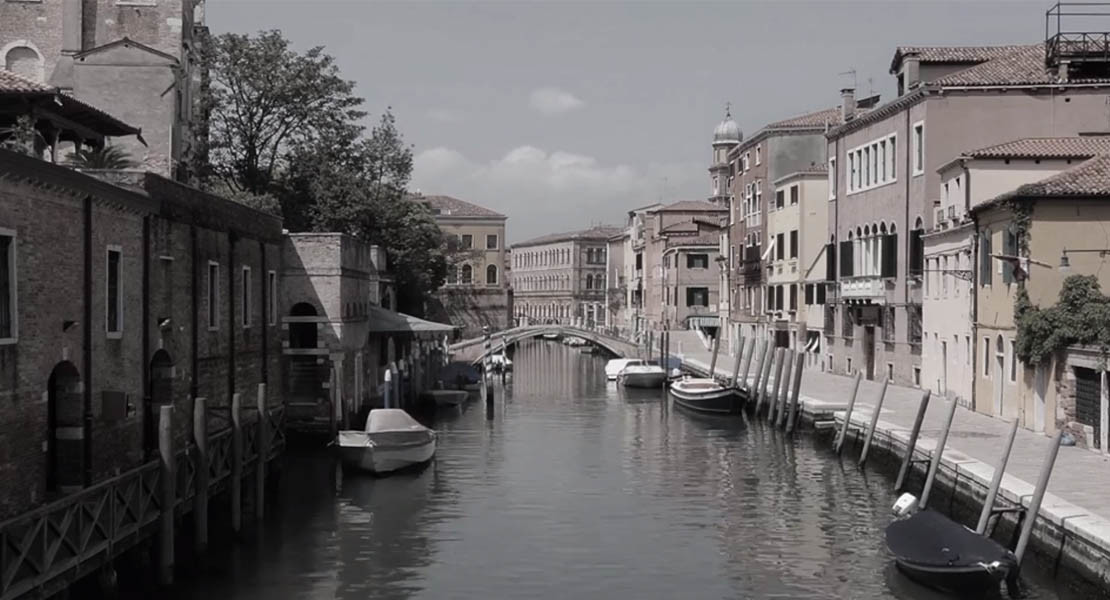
<point>566,114</point>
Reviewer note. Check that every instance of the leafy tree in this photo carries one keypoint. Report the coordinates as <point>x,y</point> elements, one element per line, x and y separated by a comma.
<point>106,157</point>
<point>21,136</point>
<point>1081,316</point>
<point>267,101</point>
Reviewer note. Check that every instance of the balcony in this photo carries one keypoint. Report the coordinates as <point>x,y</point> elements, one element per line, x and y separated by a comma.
<point>869,287</point>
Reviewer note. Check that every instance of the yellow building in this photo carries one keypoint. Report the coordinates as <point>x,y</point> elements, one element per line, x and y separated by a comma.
<point>1066,235</point>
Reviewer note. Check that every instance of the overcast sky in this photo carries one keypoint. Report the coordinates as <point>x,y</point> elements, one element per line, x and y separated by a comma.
<point>566,114</point>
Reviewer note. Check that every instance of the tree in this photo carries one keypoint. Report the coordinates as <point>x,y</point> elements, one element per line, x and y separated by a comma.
<point>266,102</point>
<point>106,157</point>
<point>21,136</point>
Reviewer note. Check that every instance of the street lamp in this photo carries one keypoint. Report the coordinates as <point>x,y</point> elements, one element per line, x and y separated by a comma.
<point>1065,263</point>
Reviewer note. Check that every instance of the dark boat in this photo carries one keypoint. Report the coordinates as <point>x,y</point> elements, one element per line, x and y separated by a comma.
<point>707,396</point>
<point>940,553</point>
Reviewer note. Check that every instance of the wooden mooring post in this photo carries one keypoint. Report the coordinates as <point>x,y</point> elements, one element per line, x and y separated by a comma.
<point>200,497</point>
<point>907,461</point>
<point>236,482</point>
<point>169,494</point>
<point>772,401</point>
<point>795,390</point>
<point>938,452</point>
<point>736,364</point>
<point>781,400</point>
<point>747,365</point>
<point>874,423</point>
<point>713,361</point>
<point>996,480</point>
<point>848,414</point>
<point>1038,496</point>
<point>263,453</point>
<point>765,375</point>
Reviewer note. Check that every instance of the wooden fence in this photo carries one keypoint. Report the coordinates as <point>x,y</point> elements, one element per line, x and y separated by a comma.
<point>45,550</point>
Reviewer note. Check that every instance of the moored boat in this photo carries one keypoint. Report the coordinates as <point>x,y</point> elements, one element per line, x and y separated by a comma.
<point>940,553</point>
<point>449,397</point>
<point>707,396</point>
<point>392,441</point>
<point>500,362</point>
<point>615,366</point>
<point>649,375</point>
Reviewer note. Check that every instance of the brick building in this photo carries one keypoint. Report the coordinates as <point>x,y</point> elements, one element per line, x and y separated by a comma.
<point>119,295</point>
<point>139,60</point>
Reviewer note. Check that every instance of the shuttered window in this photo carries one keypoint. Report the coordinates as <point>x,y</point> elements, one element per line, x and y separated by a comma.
<point>985,276</point>
<point>830,262</point>
<point>889,267</point>
<point>846,259</point>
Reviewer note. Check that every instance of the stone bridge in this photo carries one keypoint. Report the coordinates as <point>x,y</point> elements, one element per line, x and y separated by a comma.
<point>473,350</point>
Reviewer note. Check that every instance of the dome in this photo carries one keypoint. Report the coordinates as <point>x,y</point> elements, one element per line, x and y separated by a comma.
<point>727,131</point>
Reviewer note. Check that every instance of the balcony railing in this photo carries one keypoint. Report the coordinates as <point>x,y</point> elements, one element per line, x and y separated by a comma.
<point>862,287</point>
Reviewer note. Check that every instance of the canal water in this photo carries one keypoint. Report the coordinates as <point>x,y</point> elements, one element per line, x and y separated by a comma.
<point>574,489</point>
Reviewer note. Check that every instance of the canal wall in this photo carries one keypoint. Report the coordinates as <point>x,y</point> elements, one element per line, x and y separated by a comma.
<point>1072,531</point>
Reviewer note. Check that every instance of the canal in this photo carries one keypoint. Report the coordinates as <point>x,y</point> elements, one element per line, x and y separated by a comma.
<point>573,489</point>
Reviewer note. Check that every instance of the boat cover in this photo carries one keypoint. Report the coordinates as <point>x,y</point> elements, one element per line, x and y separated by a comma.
<point>393,426</point>
<point>930,538</point>
<point>453,372</point>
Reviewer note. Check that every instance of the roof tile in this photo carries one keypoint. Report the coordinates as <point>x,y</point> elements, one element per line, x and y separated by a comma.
<point>1089,178</point>
<point>10,83</point>
<point>453,207</point>
<point>1047,147</point>
<point>690,206</point>
<point>599,233</point>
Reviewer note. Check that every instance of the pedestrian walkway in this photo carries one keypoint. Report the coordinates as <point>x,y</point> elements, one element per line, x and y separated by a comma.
<point>1078,498</point>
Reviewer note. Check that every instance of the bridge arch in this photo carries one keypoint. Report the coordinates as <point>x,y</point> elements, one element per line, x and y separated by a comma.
<point>473,350</point>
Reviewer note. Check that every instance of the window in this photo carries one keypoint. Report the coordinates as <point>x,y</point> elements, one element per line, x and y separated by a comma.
<point>491,242</point>
<point>793,296</point>
<point>1013,363</point>
<point>985,257</point>
<point>780,246</point>
<point>913,315</point>
<point>888,324</point>
<point>26,62</point>
<point>832,178</point>
<point>113,304</point>
<point>986,356</point>
<point>779,198</point>
<point>851,171</point>
<point>491,274</point>
<point>697,261</point>
<point>758,194</point>
<point>867,167</point>
<point>1009,248</point>
<point>870,165</point>
<point>918,148</point>
<point>793,195</point>
<point>245,298</point>
<point>779,299</point>
<point>794,244</point>
<point>213,295</point>
<point>747,159</point>
<point>271,285</point>
<point>467,241</point>
<point>467,276</point>
<point>758,155</point>
<point>452,275</point>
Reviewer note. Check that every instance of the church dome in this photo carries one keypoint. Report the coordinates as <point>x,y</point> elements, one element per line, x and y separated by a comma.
<point>727,131</point>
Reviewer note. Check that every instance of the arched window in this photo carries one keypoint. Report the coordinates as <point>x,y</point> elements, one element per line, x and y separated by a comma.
<point>589,282</point>
<point>25,62</point>
<point>491,275</point>
<point>467,275</point>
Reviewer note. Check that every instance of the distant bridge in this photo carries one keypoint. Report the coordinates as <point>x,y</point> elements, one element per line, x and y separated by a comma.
<point>473,350</point>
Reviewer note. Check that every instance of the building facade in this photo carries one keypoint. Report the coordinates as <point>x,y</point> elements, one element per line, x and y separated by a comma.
<point>561,278</point>
<point>141,59</point>
<point>476,295</point>
<point>157,294</point>
<point>885,171</point>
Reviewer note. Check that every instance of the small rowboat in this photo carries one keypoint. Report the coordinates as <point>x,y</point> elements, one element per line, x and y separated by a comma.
<point>642,376</point>
<point>707,396</point>
<point>392,441</point>
<point>940,553</point>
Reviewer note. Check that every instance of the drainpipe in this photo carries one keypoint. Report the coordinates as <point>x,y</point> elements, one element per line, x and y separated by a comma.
<point>908,145</point>
<point>264,329</point>
<point>231,322</point>
<point>974,349</point>
<point>148,443</point>
<point>86,350</point>
<point>194,316</point>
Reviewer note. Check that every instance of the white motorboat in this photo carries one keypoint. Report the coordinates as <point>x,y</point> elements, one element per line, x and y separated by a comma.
<point>449,397</point>
<point>500,362</point>
<point>649,375</point>
<point>393,440</point>
<point>574,341</point>
<point>615,366</point>
<point>707,395</point>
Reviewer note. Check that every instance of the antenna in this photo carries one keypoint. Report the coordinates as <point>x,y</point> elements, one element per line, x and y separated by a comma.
<point>870,88</point>
<point>851,72</point>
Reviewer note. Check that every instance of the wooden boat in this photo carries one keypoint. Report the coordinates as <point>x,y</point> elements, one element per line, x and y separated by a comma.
<point>648,375</point>
<point>392,441</point>
<point>707,396</point>
<point>449,397</point>
<point>940,553</point>
<point>615,366</point>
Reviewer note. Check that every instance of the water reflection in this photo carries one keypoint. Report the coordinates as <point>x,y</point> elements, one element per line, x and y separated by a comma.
<point>573,488</point>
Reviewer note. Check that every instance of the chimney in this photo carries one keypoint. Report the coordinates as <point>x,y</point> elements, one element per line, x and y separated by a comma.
<point>1062,70</point>
<point>911,72</point>
<point>847,104</point>
<point>71,27</point>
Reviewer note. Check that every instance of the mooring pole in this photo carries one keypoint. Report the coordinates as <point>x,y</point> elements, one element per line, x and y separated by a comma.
<point>904,470</point>
<point>713,361</point>
<point>799,365</point>
<point>780,401</point>
<point>874,423</point>
<point>1038,496</point>
<point>743,383</point>
<point>848,414</point>
<point>758,351</point>
<point>200,495</point>
<point>765,375</point>
<point>937,453</point>
<point>263,453</point>
<point>773,400</point>
<point>996,480</point>
<point>236,482</point>
<point>733,381</point>
<point>169,494</point>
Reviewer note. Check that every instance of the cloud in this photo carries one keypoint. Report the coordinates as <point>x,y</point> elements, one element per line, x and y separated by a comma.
<point>554,101</point>
<point>444,115</point>
<point>546,192</point>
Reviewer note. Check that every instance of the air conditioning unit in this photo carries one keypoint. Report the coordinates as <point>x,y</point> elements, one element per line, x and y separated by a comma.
<point>940,221</point>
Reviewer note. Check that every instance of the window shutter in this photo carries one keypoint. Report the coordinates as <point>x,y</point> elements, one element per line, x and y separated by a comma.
<point>830,262</point>
<point>820,293</point>
<point>809,294</point>
<point>846,259</point>
<point>985,258</point>
<point>794,244</point>
<point>779,298</point>
<point>890,255</point>
<point>1009,248</point>
<point>917,251</point>
<point>793,297</point>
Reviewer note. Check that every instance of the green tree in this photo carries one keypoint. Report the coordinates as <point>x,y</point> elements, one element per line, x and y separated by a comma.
<point>105,157</point>
<point>21,136</point>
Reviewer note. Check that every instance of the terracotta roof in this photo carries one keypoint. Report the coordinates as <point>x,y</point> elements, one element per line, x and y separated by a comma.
<point>10,83</point>
<point>1022,66</point>
<point>712,238</point>
<point>447,206</point>
<point>1090,178</point>
<point>816,121</point>
<point>812,170</point>
<point>691,206</point>
<point>950,54</point>
<point>1048,147</point>
<point>600,233</point>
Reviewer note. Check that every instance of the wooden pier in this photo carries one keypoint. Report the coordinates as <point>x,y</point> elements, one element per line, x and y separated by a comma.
<point>45,550</point>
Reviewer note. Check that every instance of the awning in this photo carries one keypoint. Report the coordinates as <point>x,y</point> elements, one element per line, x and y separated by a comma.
<point>383,320</point>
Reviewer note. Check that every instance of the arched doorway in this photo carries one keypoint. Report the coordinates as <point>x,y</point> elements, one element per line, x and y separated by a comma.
<point>306,397</point>
<point>65,451</point>
<point>159,395</point>
<point>302,335</point>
